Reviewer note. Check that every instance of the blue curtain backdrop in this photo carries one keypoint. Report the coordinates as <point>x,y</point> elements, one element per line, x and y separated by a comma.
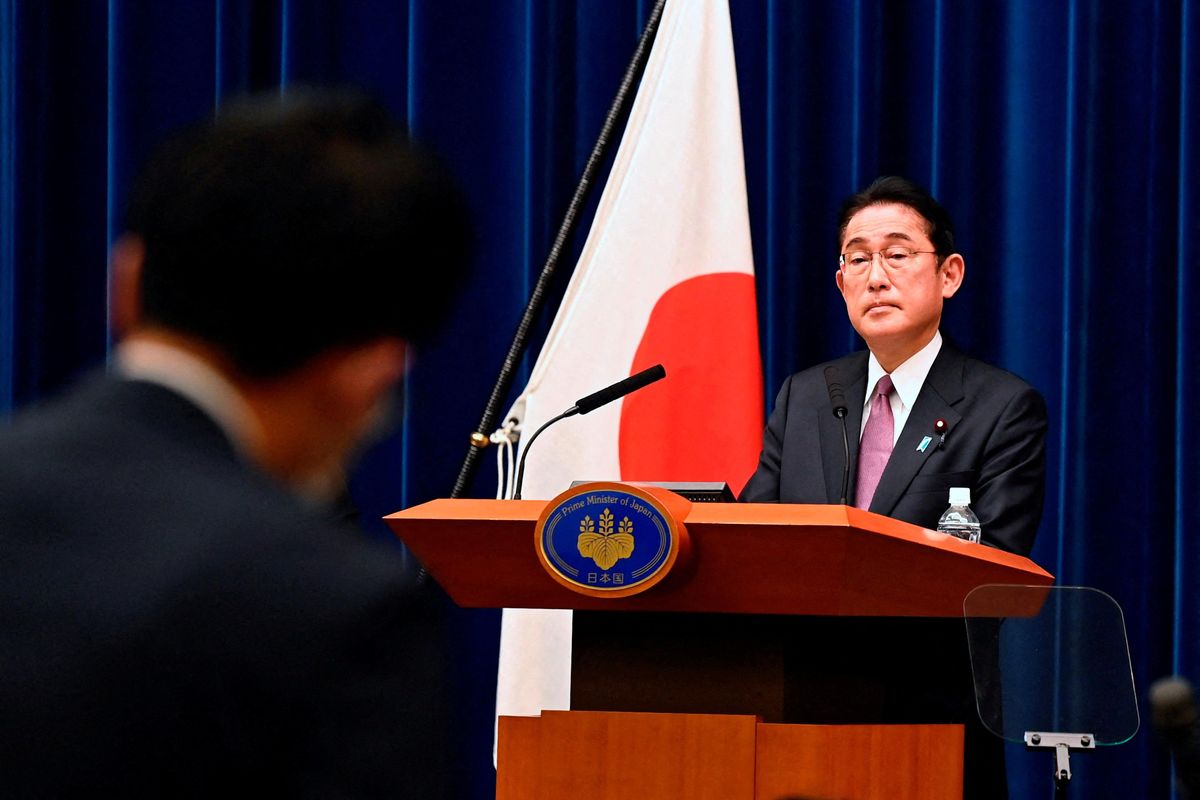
<point>1062,134</point>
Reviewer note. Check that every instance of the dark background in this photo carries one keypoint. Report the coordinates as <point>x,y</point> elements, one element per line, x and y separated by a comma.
<point>1061,134</point>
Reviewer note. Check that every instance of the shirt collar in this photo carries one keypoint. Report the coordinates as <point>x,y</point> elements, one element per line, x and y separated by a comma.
<point>909,377</point>
<point>196,380</point>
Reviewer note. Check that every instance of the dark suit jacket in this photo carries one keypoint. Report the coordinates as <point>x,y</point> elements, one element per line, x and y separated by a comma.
<point>175,623</point>
<point>994,444</point>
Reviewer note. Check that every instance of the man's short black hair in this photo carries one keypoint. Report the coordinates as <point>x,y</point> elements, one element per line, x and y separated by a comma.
<point>894,189</point>
<point>289,225</point>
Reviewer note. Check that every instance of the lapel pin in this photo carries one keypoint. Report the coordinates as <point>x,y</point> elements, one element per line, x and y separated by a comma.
<point>924,443</point>
<point>939,427</point>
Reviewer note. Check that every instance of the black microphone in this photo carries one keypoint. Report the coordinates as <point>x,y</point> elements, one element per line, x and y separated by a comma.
<point>837,396</point>
<point>590,403</point>
<point>619,389</point>
<point>1173,711</point>
<point>837,401</point>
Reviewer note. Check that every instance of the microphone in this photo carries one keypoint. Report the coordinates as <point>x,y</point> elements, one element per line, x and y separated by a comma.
<point>1173,711</point>
<point>619,389</point>
<point>837,401</point>
<point>590,403</point>
<point>837,396</point>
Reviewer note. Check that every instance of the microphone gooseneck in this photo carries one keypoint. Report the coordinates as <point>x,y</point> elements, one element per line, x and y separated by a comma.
<point>525,450</point>
<point>837,401</point>
<point>590,403</point>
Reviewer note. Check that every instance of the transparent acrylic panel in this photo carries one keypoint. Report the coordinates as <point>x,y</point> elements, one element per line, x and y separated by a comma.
<point>1051,659</point>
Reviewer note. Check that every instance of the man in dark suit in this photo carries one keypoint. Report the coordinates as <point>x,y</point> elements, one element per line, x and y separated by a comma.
<point>986,427</point>
<point>922,417</point>
<point>180,615</point>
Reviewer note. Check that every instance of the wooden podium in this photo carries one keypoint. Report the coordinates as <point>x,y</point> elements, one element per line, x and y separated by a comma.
<point>765,666</point>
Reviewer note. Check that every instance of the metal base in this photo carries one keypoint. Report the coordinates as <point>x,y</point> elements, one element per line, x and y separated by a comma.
<point>1062,744</point>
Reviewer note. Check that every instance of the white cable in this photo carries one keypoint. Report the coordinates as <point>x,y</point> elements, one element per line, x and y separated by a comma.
<point>501,477</point>
<point>504,437</point>
<point>508,467</point>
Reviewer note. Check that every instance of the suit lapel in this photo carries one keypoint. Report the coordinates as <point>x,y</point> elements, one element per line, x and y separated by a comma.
<point>853,372</point>
<point>941,390</point>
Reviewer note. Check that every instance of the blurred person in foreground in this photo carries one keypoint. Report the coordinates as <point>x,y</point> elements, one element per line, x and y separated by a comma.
<point>180,614</point>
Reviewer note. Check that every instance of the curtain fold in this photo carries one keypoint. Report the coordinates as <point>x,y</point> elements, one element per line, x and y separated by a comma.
<point>1062,136</point>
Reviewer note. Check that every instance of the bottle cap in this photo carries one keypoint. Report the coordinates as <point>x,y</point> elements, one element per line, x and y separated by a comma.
<point>960,496</point>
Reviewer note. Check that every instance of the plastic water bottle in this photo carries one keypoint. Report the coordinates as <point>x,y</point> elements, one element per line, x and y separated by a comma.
<point>959,520</point>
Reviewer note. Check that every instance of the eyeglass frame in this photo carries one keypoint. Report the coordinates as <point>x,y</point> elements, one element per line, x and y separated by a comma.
<point>844,267</point>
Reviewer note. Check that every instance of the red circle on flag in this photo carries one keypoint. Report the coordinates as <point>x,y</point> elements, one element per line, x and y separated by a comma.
<point>704,422</point>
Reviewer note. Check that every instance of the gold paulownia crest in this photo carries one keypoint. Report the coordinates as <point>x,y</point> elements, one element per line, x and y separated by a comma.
<point>605,548</point>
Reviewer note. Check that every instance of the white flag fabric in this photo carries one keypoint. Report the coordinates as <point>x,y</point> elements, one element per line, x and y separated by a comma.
<point>666,276</point>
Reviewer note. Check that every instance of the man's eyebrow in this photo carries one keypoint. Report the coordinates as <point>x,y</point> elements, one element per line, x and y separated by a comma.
<point>862,239</point>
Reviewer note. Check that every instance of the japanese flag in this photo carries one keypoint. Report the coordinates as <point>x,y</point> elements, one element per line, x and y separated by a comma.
<point>666,276</point>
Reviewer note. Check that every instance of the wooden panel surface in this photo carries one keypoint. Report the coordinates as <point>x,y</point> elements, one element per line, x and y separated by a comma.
<point>517,751</point>
<point>585,755</point>
<point>746,558</point>
<point>859,762</point>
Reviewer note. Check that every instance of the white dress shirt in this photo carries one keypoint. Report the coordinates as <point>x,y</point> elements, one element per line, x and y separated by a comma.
<point>907,380</point>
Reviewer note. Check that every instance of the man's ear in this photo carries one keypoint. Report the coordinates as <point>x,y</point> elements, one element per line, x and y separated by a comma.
<point>953,270</point>
<point>363,374</point>
<point>128,258</point>
<point>840,280</point>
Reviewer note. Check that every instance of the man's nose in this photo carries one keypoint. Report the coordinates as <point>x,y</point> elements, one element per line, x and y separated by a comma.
<point>877,275</point>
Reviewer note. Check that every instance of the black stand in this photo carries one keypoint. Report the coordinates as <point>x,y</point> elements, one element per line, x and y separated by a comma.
<point>479,439</point>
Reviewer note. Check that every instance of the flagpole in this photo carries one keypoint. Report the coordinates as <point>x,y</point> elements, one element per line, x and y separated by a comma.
<point>491,412</point>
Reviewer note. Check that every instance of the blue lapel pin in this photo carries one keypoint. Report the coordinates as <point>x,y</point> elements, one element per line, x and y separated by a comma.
<point>924,443</point>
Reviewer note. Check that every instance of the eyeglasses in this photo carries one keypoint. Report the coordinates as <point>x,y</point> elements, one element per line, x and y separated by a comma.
<point>896,257</point>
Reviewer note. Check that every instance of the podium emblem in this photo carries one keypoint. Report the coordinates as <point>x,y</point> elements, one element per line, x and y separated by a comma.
<point>606,548</point>
<point>607,539</point>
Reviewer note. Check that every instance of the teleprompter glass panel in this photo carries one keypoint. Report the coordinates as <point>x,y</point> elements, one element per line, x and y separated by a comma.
<point>1051,659</point>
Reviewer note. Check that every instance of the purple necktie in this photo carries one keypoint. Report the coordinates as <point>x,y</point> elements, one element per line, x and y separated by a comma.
<point>876,445</point>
